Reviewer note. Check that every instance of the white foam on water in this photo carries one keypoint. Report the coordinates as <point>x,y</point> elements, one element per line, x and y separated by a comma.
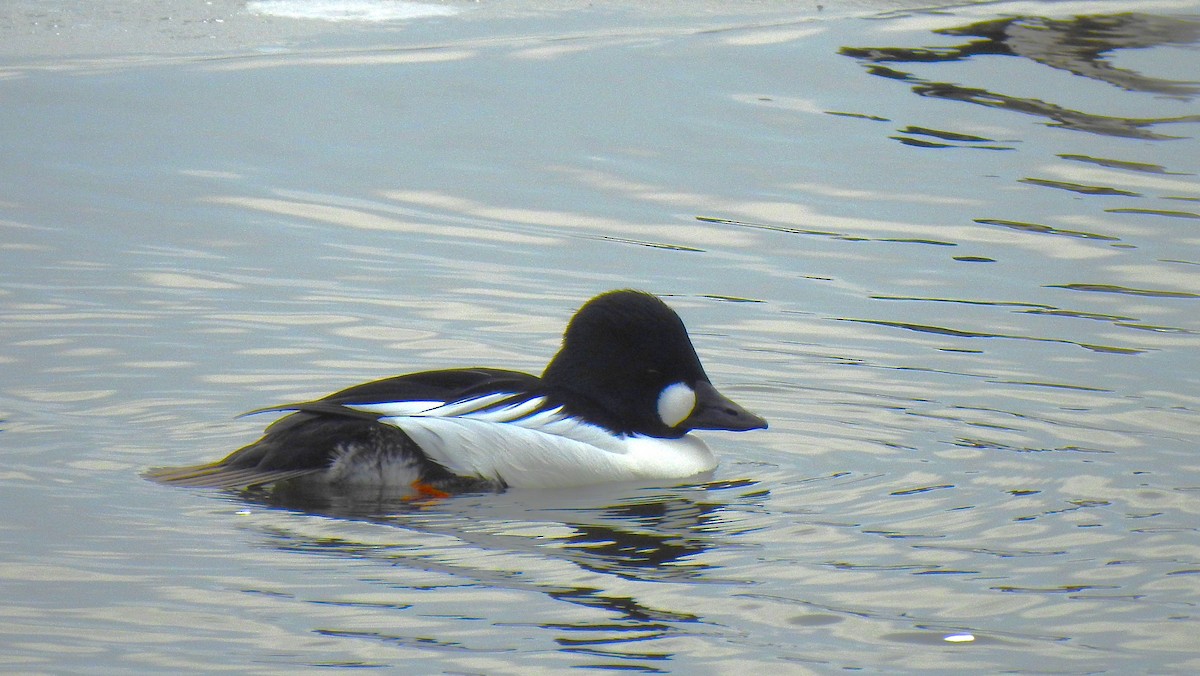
<point>349,10</point>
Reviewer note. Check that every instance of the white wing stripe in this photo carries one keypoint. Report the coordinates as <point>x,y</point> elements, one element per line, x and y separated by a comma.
<point>541,419</point>
<point>467,406</point>
<point>397,409</point>
<point>480,408</point>
<point>511,413</point>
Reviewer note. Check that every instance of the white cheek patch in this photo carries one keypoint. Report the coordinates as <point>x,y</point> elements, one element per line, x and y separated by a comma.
<point>675,404</point>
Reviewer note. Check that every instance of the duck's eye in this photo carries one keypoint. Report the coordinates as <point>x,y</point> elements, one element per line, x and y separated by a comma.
<point>675,403</point>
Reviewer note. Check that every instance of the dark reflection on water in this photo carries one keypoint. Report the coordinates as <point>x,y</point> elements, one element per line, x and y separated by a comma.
<point>651,535</point>
<point>957,333</point>
<point>1045,229</point>
<point>1081,45</point>
<point>648,537</point>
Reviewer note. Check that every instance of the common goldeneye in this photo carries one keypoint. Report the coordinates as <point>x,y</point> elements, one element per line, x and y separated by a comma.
<point>616,403</point>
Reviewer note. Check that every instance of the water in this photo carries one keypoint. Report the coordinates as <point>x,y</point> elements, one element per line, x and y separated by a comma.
<point>950,255</point>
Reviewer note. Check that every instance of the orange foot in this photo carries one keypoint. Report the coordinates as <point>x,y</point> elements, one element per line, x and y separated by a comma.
<point>426,491</point>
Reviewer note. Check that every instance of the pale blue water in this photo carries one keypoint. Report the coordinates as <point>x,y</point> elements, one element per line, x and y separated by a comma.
<point>952,256</point>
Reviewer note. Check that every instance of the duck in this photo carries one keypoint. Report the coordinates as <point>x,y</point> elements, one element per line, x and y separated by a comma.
<point>618,402</point>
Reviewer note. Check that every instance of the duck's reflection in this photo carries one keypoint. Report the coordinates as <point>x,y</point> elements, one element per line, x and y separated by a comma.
<point>1082,45</point>
<point>649,533</point>
<point>589,547</point>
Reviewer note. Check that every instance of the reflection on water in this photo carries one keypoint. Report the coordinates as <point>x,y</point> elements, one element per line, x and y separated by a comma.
<point>975,334</point>
<point>514,542</point>
<point>652,536</point>
<point>1081,45</point>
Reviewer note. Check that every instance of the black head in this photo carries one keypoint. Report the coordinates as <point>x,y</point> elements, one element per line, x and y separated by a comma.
<point>627,363</point>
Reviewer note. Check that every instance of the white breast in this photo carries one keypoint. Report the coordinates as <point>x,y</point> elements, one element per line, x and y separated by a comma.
<point>548,449</point>
<point>524,444</point>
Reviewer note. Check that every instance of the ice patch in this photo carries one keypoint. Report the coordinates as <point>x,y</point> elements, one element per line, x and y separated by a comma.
<point>349,10</point>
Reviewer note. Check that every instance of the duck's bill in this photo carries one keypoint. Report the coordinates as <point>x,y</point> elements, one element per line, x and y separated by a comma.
<point>715,411</point>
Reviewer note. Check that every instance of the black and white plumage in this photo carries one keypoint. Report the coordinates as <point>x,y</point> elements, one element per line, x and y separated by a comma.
<point>616,403</point>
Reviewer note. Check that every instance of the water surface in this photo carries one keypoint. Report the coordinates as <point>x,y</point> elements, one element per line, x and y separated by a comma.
<point>950,255</point>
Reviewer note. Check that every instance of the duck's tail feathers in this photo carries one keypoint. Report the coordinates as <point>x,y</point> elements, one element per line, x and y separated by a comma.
<point>222,476</point>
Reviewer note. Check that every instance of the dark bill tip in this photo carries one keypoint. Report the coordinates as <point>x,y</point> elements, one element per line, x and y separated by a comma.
<point>715,411</point>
